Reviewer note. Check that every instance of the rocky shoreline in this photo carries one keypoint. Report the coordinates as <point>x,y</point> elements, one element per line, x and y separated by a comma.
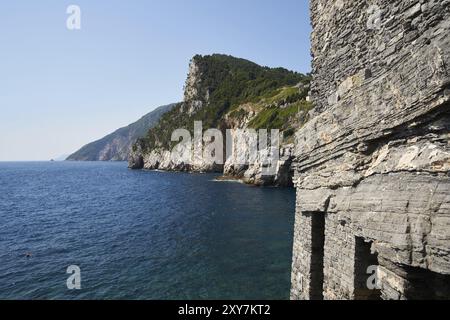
<point>248,174</point>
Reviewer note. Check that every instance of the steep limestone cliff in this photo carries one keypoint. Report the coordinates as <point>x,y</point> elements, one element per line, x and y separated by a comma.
<point>224,92</point>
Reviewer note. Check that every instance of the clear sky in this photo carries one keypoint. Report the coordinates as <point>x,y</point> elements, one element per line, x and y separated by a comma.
<point>61,89</point>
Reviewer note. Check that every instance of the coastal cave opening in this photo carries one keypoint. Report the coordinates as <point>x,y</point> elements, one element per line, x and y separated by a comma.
<point>317,255</point>
<point>424,284</point>
<point>365,261</point>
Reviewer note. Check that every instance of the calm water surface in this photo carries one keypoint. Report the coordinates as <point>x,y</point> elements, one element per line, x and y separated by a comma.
<point>140,235</point>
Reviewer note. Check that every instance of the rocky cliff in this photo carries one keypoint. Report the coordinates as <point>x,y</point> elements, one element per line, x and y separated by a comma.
<point>224,92</point>
<point>117,145</point>
<point>372,170</point>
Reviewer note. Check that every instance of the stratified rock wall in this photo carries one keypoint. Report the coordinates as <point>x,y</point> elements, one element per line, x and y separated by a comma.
<point>372,171</point>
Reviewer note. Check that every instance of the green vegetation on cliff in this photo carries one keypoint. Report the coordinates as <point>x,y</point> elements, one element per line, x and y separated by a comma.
<point>217,88</point>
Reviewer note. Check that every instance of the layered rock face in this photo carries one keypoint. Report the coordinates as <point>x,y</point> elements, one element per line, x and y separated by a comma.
<point>256,172</point>
<point>372,164</point>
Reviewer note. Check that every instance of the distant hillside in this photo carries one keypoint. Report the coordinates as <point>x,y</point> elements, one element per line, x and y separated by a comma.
<point>116,146</point>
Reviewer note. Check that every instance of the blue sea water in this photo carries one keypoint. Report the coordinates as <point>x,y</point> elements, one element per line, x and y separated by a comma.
<point>140,234</point>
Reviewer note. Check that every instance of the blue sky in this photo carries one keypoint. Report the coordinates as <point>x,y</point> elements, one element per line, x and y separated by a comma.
<point>61,89</point>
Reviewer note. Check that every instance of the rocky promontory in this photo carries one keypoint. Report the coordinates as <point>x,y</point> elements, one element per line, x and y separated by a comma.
<point>228,93</point>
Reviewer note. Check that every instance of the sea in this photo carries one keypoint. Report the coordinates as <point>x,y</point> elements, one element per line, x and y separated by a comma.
<point>98,230</point>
